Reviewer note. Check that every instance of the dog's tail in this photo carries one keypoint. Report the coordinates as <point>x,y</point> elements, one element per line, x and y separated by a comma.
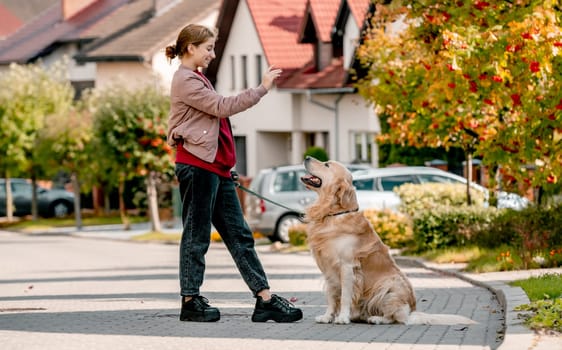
<point>417,317</point>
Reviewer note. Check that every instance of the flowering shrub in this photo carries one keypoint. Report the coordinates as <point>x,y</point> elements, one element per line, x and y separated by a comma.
<point>395,229</point>
<point>426,197</point>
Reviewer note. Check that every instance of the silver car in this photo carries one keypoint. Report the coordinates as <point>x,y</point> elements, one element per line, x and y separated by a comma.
<point>386,179</point>
<point>282,185</point>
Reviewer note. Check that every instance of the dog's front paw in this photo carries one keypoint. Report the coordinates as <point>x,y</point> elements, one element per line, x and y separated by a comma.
<point>326,318</point>
<point>342,319</point>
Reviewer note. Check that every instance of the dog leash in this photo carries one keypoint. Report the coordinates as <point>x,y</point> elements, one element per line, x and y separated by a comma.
<point>235,177</point>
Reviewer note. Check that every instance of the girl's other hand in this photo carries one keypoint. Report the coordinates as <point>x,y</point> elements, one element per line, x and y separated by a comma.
<point>270,76</point>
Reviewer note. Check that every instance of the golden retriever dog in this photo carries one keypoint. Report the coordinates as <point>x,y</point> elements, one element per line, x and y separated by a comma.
<point>363,282</point>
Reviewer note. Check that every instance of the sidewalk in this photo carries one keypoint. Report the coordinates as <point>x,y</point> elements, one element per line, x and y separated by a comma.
<point>59,292</point>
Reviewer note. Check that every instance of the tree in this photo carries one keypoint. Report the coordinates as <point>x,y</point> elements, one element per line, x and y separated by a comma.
<point>64,144</point>
<point>130,128</point>
<point>485,76</point>
<point>29,94</point>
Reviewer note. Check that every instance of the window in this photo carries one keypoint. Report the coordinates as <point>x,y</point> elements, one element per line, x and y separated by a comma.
<point>19,188</point>
<point>363,185</point>
<point>425,178</point>
<point>232,74</point>
<point>259,70</point>
<point>389,182</point>
<point>362,144</point>
<point>288,181</point>
<point>80,87</point>
<point>244,72</point>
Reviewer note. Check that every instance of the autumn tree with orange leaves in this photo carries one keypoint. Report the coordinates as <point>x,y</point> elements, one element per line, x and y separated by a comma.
<point>482,75</point>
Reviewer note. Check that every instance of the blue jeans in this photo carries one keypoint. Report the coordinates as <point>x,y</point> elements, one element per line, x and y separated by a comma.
<point>211,199</point>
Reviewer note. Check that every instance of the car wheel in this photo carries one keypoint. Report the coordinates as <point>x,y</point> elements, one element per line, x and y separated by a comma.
<point>60,209</point>
<point>283,226</point>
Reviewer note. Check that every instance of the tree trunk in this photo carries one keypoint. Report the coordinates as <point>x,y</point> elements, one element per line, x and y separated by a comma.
<point>77,205</point>
<point>122,209</point>
<point>9,199</point>
<point>468,176</point>
<point>152,195</point>
<point>34,211</point>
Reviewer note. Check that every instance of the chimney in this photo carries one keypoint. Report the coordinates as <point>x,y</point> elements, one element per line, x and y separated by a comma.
<point>72,7</point>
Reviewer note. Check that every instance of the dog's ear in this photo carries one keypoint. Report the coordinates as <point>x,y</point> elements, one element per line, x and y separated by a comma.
<point>345,195</point>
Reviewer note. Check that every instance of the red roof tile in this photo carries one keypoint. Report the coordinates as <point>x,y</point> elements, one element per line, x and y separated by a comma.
<point>10,23</point>
<point>324,14</point>
<point>147,37</point>
<point>359,10</point>
<point>308,78</point>
<point>47,29</point>
<point>277,23</point>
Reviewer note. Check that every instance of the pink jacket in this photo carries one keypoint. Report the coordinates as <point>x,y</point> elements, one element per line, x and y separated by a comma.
<point>195,111</point>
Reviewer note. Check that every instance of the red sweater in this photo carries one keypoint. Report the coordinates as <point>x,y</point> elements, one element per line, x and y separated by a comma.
<point>226,154</point>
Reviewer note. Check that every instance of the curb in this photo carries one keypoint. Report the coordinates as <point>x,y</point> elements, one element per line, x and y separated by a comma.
<point>516,335</point>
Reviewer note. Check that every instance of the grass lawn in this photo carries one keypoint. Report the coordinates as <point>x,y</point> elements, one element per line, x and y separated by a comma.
<point>28,224</point>
<point>545,293</point>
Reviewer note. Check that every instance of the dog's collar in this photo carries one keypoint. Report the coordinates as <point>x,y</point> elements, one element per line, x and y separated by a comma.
<point>344,212</point>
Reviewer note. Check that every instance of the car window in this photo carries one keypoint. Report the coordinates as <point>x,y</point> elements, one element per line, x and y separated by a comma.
<point>21,188</point>
<point>388,183</point>
<point>3,190</point>
<point>425,178</point>
<point>363,184</point>
<point>286,182</point>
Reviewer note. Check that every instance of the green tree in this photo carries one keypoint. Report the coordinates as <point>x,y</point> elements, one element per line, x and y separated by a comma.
<point>29,94</point>
<point>64,144</point>
<point>130,128</point>
<point>485,76</point>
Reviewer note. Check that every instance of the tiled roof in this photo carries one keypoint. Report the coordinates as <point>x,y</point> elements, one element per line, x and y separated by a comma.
<point>145,38</point>
<point>277,23</point>
<point>333,76</point>
<point>323,13</point>
<point>359,10</point>
<point>27,10</point>
<point>47,29</point>
<point>10,23</point>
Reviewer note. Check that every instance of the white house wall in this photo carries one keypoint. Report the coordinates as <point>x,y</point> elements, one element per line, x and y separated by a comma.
<point>275,128</point>
<point>353,116</point>
<point>351,33</point>
<point>129,74</point>
<point>265,126</point>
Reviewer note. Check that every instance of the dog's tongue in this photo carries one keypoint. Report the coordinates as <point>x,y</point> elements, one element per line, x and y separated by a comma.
<point>311,180</point>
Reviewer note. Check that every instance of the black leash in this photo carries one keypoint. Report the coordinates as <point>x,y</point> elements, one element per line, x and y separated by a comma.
<point>235,177</point>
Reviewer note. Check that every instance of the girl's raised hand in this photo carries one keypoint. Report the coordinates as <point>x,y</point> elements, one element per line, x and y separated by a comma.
<point>270,76</point>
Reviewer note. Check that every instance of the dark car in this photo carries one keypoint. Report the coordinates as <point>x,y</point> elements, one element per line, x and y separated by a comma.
<point>50,203</point>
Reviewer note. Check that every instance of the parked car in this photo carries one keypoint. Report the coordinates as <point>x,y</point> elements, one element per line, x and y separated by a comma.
<point>374,190</point>
<point>282,185</point>
<point>386,179</point>
<point>50,203</point>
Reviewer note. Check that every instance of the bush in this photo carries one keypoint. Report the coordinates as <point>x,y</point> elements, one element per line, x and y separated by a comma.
<point>425,197</point>
<point>395,229</point>
<point>445,226</point>
<point>316,152</point>
<point>297,235</point>
<point>535,232</point>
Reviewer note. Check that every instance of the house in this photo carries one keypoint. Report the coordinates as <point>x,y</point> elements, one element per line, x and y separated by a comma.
<point>314,103</point>
<point>106,40</point>
<point>313,41</point>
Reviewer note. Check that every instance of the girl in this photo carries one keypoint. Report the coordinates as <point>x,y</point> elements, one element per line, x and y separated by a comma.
<point>199,128</point>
